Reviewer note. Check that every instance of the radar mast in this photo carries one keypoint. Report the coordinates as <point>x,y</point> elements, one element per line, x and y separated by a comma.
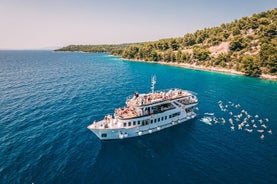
<point>153,82</point>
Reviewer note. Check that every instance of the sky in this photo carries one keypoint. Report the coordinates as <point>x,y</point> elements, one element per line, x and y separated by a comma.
<point>50,24</point>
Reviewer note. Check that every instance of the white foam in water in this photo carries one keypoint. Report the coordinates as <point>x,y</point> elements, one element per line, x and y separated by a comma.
<point>206,120</point>
<point>240,120</point>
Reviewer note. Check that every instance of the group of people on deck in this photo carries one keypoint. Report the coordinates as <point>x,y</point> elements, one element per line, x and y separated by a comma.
<point>149,98</point>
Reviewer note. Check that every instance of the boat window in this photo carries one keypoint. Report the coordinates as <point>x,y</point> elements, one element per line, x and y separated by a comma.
<point>159,119</point>
<point>189,110</point>
<point>151,121</point>
<point>162,118</point>
<point>155,120</point>
<point>124,124</point>
<point>177,104</point>
<point>129,123</point>
<point>169,116</point>
<point>104,135</point>
<point>165,117</point>
<point>134,123</point>
<point>176,114</point>
<point>138,122</point>
<point>147,121</point>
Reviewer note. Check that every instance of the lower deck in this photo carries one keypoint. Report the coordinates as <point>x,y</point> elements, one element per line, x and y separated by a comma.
<point>121,133</point>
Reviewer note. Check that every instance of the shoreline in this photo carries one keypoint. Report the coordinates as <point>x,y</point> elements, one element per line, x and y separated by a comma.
<point>204,68</point>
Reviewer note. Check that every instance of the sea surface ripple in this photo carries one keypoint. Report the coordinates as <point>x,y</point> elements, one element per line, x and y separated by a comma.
<point>48,99</point>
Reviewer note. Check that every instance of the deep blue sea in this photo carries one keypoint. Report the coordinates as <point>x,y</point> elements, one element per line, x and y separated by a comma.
<point>48,99</point>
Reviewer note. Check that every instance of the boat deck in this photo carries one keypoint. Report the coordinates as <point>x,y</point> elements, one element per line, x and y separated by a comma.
<point>152,98</point>
<point>129,112</point>
<point>138,104</point>
<point>107,123</point>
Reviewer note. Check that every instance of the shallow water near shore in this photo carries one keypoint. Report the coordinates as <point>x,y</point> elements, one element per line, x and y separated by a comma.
<point>48,99</point>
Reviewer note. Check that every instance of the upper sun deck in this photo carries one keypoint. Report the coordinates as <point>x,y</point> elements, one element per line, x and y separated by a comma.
<point>156,97</point>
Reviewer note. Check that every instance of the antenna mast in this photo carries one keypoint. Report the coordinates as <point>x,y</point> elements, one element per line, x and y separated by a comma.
<point>153,82</point>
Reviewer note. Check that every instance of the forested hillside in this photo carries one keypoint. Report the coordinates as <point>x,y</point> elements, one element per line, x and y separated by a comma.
<point>94,48</point>
<point>248,45</point>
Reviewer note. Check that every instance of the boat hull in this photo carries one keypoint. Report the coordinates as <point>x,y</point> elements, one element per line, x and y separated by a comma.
<point>123,133</point>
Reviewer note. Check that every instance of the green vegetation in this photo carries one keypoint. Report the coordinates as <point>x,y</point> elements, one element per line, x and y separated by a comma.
<point>251,66</point>
<point>248,45</point>
<point>94,48</point>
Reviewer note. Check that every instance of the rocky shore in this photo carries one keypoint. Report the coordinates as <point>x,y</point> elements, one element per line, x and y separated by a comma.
<point>205,68</point>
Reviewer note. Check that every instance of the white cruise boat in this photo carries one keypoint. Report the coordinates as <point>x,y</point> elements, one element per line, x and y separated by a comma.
<point>147,113</point>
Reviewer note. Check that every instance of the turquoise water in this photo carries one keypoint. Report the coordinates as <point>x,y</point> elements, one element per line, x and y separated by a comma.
<point>48,99</point>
